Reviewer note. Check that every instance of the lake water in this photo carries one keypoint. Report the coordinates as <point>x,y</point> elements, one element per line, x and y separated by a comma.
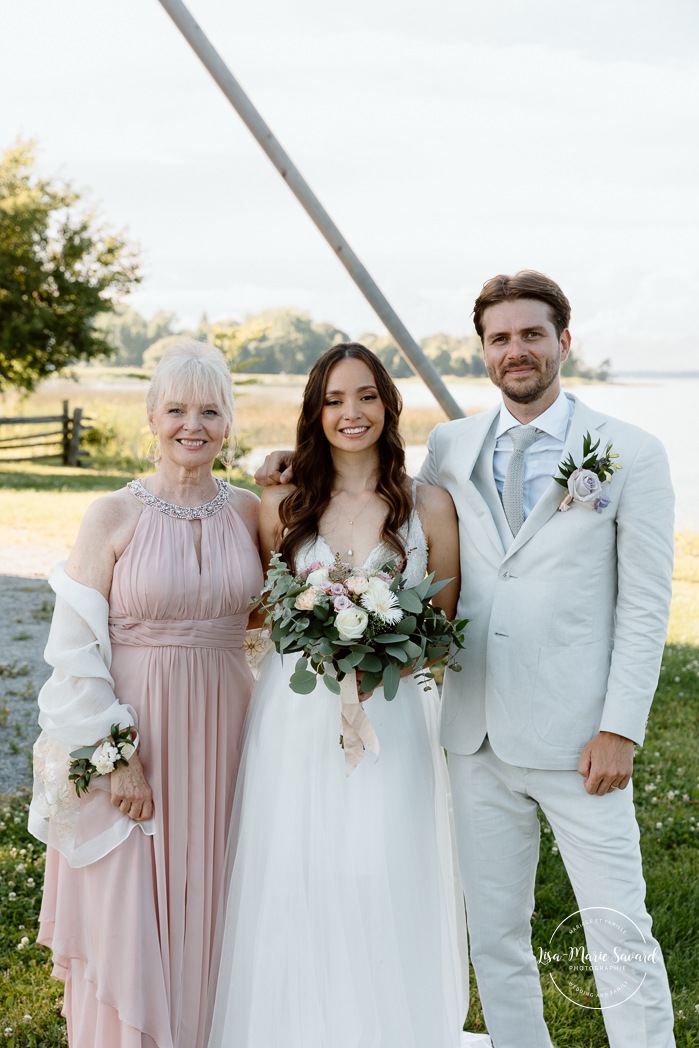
<point>667,407</point>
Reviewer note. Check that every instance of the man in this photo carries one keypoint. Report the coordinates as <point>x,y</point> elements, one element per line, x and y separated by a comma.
<point>568,621</point>
<point>568,618</point>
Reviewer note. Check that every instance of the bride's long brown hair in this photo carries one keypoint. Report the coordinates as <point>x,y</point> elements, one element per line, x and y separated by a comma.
<point>300,512</point>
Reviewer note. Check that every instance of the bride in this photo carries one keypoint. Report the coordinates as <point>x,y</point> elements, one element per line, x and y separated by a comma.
<point>344,923</point>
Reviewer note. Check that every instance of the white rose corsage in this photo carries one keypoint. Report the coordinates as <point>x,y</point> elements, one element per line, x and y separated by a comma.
<point>584,482</point>
<point>102,758</point>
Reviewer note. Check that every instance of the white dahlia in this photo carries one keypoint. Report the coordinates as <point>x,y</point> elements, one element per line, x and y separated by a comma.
<point>380,600</point>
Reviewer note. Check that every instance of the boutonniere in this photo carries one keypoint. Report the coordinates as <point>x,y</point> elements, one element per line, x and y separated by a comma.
<point>584,482</point>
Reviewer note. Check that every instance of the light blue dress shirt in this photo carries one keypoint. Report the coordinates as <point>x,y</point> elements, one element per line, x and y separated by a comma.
<point>541,459</point>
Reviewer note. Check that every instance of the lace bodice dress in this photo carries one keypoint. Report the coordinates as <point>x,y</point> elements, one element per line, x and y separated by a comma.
<point>412,535</point>
<point>344,925</point>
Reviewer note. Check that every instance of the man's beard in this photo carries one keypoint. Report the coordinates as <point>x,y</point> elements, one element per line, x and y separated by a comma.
<point>535,386</point>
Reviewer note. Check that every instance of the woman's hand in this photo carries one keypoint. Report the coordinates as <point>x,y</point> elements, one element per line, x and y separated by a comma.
<point>131,793</point>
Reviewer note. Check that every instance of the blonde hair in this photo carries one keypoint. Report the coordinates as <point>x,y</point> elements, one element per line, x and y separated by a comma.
<point>193,372</point>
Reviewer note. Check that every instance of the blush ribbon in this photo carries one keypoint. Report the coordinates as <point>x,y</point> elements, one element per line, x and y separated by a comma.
<point>358,734</point>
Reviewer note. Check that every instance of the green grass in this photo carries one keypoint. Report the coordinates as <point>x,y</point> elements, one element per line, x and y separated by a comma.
<point>49,502</point>
<point>30,1000</point>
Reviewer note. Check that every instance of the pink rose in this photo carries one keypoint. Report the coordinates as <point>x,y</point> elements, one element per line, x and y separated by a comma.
<point>357,584</point>
<point>307,600</point>
<point>584,486</point>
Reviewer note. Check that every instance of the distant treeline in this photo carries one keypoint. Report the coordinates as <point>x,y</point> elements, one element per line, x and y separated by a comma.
<point>288,341</point>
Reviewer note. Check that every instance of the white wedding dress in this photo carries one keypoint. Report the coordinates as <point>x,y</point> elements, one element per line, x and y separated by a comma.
<point>344,925</point>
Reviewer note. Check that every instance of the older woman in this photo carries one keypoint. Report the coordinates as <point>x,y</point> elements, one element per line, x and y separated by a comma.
<point>147,639</point>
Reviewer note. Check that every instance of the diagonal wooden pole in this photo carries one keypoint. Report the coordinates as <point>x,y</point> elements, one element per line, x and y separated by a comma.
<point>213,62</point>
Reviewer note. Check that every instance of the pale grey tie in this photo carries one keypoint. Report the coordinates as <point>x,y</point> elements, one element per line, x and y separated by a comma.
<point>513,488</point>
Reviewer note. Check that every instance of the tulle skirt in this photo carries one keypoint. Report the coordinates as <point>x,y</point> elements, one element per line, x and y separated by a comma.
<point>344,925</point>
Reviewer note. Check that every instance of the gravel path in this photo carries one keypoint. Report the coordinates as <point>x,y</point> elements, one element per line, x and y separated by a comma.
<point>26,605</point>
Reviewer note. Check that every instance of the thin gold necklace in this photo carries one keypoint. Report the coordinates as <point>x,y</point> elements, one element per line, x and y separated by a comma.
<point>350,550</point>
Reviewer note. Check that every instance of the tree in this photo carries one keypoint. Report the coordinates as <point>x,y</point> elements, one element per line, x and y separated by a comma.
<point>151,357</point>
<point>452,355</point>
<point>388,353</point>
<point>130,334</point>
<point>574,366</point>
<point>276,340</point>
<point>59,270</point>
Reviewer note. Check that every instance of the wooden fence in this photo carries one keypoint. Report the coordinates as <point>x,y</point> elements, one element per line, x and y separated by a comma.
<point>65,439</point>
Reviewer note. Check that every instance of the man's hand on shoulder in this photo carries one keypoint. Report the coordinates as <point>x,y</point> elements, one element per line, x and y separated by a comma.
<point>606,763</point>
<point>276,469</point>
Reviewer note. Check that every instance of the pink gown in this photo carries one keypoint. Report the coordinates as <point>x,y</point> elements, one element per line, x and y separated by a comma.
<point>132,934</point>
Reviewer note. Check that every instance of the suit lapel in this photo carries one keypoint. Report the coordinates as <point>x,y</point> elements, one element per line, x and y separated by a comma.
<point>584,420</point>
<point>477,441</point>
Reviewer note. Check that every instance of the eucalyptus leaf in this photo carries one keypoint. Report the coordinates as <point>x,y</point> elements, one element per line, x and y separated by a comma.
<point>302,682</point>
<point>435,587</point>
<point>370,663</point>
<point>391,680</point>
<point>422,587</point>
<point>370,681</point>
<point>354,658</point>
<point>331,683</point>
<point>84,753</point>
<point>409,600</point>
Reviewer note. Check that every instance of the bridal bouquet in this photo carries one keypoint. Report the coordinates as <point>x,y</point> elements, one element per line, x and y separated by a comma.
<point>346,620</point>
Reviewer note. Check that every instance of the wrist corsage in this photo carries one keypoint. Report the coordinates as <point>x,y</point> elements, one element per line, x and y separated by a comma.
<point>584,482</point>
<point>102,758</point>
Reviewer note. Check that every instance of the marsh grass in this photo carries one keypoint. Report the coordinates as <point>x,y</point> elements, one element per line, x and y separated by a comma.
<point>267,408</point>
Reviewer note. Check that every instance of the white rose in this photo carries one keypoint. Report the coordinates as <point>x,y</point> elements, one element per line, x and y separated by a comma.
<point>584,485</point>
<point>351,623</point>
<point>127,750</point>
<point>318,577</point>
<point>102,765</point>
<point>104,758</point>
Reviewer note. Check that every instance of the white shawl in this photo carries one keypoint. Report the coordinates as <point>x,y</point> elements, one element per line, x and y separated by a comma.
<point>77,707</point>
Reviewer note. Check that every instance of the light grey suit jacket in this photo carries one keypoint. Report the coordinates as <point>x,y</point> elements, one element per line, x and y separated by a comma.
<point>568,619</point>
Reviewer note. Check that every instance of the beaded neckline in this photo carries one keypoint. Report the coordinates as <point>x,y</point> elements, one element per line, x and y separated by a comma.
<point>207,509</point>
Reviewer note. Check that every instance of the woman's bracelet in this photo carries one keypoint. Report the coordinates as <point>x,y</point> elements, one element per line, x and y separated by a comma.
<point>117,748</point>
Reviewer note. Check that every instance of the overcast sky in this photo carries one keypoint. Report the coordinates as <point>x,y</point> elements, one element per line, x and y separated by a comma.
<point>449,139</point>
